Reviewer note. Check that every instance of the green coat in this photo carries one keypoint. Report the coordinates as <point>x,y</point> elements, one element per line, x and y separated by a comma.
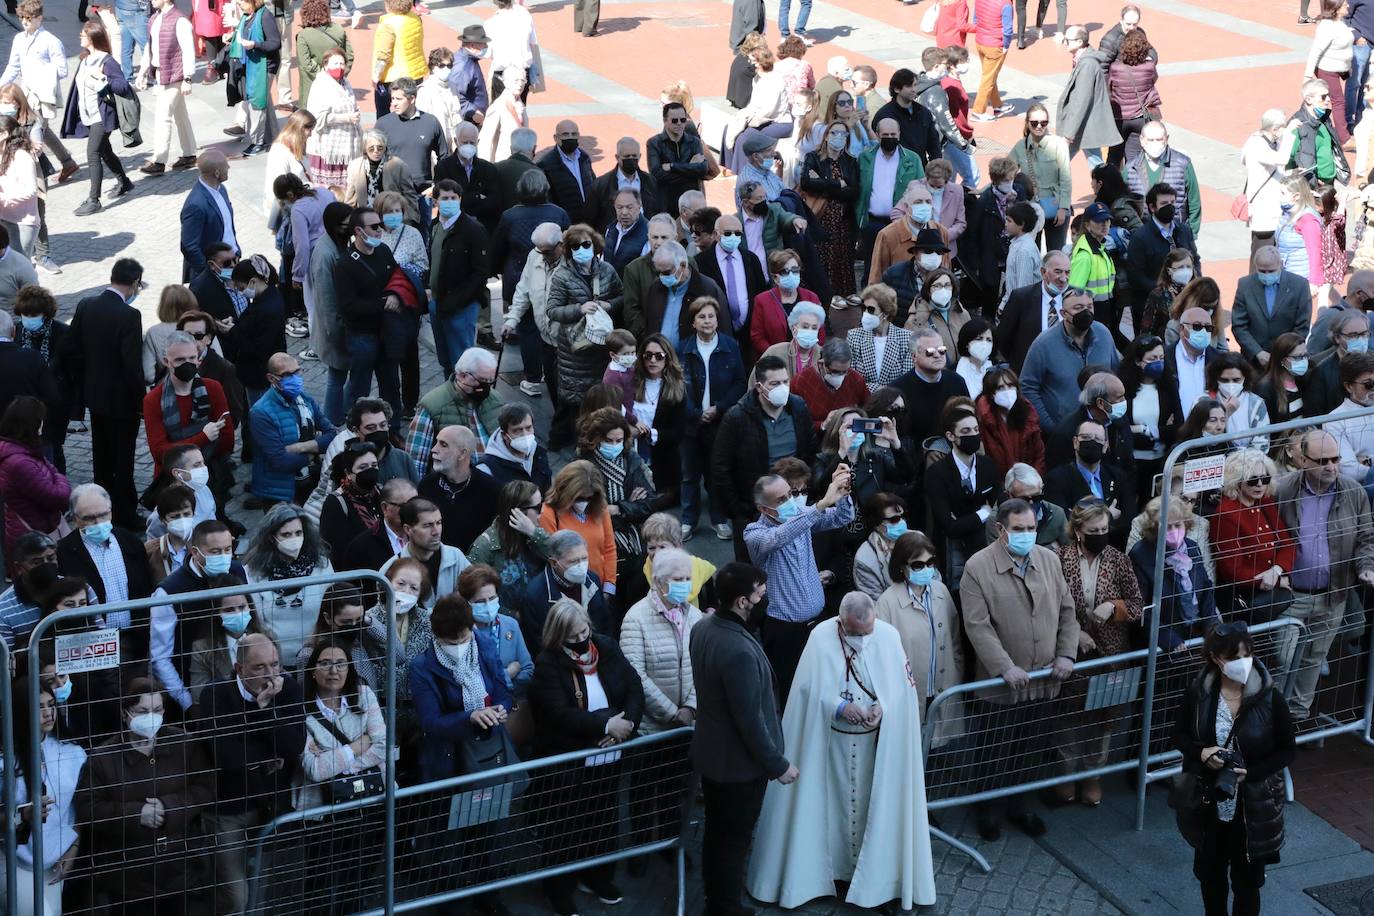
<point>909,169</point>
<point>311,46</point>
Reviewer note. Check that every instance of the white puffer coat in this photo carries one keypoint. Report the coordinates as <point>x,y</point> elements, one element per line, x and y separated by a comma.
<point>652,647</point>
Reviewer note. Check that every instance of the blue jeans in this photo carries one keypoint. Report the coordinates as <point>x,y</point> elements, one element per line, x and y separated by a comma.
<point>785,8</point>
<point>133,29</point>
<point>367,357</point>
<point>964,164</point>
<point>334,395</point>
<point>453,333</point>
<point>1354,85</point>
<point>695,455</point>
<point>1092,154</point>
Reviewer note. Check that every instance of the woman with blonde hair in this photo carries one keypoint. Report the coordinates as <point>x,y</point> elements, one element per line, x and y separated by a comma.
<point>337,139</point>
<point>1188,606</point>
<point>176,300</point>
<point>1299,234</point>
<point>375,171</point>
<point>830,185</point>
<point>399,50</point>
<point>1254,550</point>
<point>576,501</point>
<point>1203,293</point>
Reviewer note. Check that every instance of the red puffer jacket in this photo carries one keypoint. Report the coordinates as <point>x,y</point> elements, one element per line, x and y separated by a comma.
<point>35,494</point>
<point>1006,445</point>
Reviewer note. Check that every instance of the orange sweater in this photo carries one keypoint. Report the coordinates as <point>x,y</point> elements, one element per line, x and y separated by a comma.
<point>595,531</point>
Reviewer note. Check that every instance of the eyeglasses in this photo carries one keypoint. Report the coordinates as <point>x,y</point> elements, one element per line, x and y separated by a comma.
<point>1258,481</point>
<point>1366,383</point>
<point>792,271</point>
<point>655,356</point>
<point>333,664</point>
<point>901,514</point>
<point>1324,461</point>
<point>844,103</point>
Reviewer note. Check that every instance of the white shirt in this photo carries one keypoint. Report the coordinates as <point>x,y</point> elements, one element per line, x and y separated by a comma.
<point>397,542</point>
<point>647,408</point>
<point>968,473</point>
<point>879,348</point>
<point>733,262</point>
<point>1192,383</point>
<point>185,44</point>
<point>706,349</point>
<point>884,183</point>
<point>217,195</point>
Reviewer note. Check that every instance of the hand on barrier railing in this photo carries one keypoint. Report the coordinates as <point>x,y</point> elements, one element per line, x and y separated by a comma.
<point>1016,677</point>
<point>1061,668</point>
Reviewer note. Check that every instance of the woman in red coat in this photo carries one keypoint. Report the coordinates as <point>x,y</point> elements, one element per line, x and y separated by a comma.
<point>1254,551</point>
<point>768,320</point>
<point>34,492</point>
<point>1008,423</point>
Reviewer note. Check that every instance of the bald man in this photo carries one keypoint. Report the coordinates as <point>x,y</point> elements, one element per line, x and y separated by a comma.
<point>477,177</point>
<point>466,497</point>
<point>569,170</point>
<point>207,216</point>
<point>627,175</point>
<point>286,445</point>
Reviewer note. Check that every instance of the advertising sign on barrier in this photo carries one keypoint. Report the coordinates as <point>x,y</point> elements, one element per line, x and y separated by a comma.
<point>1201,474</point>
<point>94,651</point>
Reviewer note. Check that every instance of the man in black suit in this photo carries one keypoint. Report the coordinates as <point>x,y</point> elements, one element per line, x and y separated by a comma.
<point>23,372</point>
<point>627,237</point>
<point>1031,309</point>
<point>727,261</point>
<point>105,356</point>
<point>1152,241</point>
<point>626,174</point>
<point>1102,400</point>
<point>520,161</point>
<point>211,286</point>
<point>963,492</point>
<point>371,550</point>
<point>477,177</point>
<point>569,170</point>
<point>670,262</point>
<point>738,745</point>
<point>1088,474</point>
<point>1186,362</point>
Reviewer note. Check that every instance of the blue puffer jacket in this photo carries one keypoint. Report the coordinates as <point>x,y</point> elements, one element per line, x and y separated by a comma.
<point>275,425</point>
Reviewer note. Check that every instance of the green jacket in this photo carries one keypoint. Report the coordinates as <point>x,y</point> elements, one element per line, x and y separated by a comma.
<point>311,45</point>
<point>1091,268</point>
<point>909,169</point>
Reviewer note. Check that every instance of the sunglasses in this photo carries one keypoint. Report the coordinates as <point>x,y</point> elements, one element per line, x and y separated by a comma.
<point>1258,481</point>
<point>370,226</point>
<point>901,514</point>
<point>1325,461</point>
<point>585,244</point>
<point>1038,123</point>
<point>1197,326</point>
<point>1366,383</point>
<point>201,336</point>
<point>918,565</point>
<point>935,351</point>
<point>359,446</point>
<point>797,492</point>
<point>724,233</point>
<point>1235,627</point>
<point>655,357</point>
<point>677,120</point>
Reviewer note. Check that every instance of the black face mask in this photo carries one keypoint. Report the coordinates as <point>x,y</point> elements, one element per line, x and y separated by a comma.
<point>1095,543</point>
<point>40,578</point>
<point>367,479</point>
<point>757,613</point>
<point>480,391</point>
<point>970,444</point>
<point>888,144</point>
<point>759,209</point>
<point>1165,214</point>
<point>629,165</point>
<point>568,146</point>
<point>185,372</point>
<point>1090,451</point>
<point>1082,320</point>
<point>580,647</point>
<point>380,438</point>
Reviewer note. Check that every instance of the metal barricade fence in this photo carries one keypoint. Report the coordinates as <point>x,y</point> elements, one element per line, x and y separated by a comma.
<point>11,805</point>
<point>1324,665</point>
<point>476,834</point>
<point>178,819</point>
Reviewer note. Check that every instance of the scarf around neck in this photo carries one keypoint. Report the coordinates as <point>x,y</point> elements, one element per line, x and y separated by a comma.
<point>171,414</point>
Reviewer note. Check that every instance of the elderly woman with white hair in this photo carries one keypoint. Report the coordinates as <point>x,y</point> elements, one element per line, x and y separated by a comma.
<point>802,350</point>
<point>375,171</point>
<point>1253,549</point>
<point>1265,157</point>
<point>654,638</point>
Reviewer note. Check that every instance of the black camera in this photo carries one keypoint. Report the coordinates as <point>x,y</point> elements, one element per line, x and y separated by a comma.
<point>1224,787</point>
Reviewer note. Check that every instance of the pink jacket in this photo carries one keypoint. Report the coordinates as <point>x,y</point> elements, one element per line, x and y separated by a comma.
<point>952,24</point>
<point>35,494</point>
<point>19,190</point>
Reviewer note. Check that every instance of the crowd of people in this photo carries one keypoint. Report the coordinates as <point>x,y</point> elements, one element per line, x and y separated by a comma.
<point>929,412</point>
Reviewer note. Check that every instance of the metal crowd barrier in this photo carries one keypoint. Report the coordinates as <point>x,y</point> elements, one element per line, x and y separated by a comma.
<point>11,807</point>
<point>478,833</point>
<point>1342,700</point>
<point>104,658</point>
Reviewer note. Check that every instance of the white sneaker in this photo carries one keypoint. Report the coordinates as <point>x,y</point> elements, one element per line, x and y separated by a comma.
<point>724,531</point>
<point>687,531</point>
<point>987,116</point>
<point>357,18</point>
<point>307,355</point>
<point>531,389</point>
<point>1005,110</point>
<point>47,265</point>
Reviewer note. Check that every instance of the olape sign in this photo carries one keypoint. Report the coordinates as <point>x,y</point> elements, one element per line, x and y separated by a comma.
<point>93,651</point>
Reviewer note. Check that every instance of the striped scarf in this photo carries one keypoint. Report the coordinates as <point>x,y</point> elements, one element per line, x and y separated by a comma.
<point>171,413</point>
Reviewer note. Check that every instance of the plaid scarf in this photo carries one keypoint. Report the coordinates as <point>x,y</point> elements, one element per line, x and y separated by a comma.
<point>171,414</point>
<point>467,670</point>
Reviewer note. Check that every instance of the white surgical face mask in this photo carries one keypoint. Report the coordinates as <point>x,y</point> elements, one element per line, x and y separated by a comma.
<point>980,349</point>
<point>778,396</point>
<point>1005,399</point>
<point>146,725</point>
<point>523,444</point>
<point>1181,275</point>
<point>291,547</point>
<point>403,602</point>
<point>580,506</point>
<point>870,322</point>
<point>928,260</point>
<point>197,477</point>
<point>1238,669</point>
<point>1230,389</point>
<point>941,295</point>
<point>182,527</point>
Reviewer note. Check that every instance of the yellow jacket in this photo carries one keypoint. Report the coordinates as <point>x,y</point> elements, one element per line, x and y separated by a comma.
<point>400,48</point>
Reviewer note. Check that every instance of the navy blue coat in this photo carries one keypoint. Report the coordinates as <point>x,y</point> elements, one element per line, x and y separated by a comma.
<point>624,247</point>
<point>201,225</point>
<point>533,602</point>
<point>726,372</point>
<point>438,699</point>
<point>1174,628</point>
<point>119,85</point>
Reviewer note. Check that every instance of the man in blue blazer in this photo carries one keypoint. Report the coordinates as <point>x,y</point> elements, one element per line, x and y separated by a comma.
<point>207,216</point>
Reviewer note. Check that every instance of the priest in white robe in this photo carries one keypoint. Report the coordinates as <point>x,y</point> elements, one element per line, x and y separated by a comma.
<point>857,812</point>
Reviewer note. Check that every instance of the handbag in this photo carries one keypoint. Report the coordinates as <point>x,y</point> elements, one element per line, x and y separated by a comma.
<point>491,751</point>
<point>350,786</point>
<point>1240,205</point>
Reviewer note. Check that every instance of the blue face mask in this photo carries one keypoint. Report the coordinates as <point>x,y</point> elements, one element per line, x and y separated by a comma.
<point>1268,278</point>
<point>921,212</point>
<point>218,564</point>
<point>1019,543</point>
<point>808,338</point>
<point>484,612</point>
<point>1319,112</point>
<point>392,221</point>
<point>921,577</point>
<point>371,241</point>
<point>1118,410</point>
<point>679,592</point>
<point>788,510</point>
<point>857,440</point>
<point>1054,289</point>
<point>1298,366</point>
<point>1200,340</point>
<point>98,533</point>
<point>610,451</point>
<point>1154,369</point>
<point>32,323</point>
<point>730,242</point>
<point>448,209</point>
<point>226,274</point>
<point>293,386</point>
<point>583,255</point>
<point>896,529</point>
<point>236,624</point>
<point>64,693</point>
<point>789,281</point>
<point>669,281</point>
<point>1357,345</point>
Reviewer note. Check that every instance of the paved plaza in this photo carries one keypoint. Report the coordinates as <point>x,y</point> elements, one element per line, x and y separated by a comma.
<point>1221,64</point>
